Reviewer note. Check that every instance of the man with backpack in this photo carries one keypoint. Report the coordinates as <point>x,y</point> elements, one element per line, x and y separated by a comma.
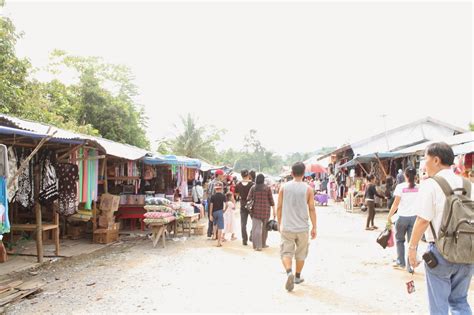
<point>446,213</point>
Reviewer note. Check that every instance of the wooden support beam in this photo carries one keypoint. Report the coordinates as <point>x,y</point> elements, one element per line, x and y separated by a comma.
<point>26,162</point>
<point>360,164</point>
<point>381,165</point>
<point>39,219</point>
<point>106,182</point>
<point>77,147</point>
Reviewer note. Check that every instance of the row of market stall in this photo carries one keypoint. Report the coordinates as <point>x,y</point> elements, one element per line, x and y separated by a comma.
<point>383,155</point>
<point>52,182</point>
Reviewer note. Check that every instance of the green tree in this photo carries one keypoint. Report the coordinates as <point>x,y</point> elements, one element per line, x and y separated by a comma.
<point>113,111</point>
<point>13,70</point>
<point>471,126</point>
<point>195,140</point>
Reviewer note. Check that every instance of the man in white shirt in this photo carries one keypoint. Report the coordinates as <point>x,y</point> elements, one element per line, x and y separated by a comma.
<point>448,283</point>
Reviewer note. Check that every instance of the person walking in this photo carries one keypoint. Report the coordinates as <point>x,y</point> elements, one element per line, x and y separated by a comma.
<point>370,194</point>
<point>295,208</point>
<point>242,190</point>
<point>447,282</point>
<point>405,203</point>
<point>216,210</point>
<point>263,202</point>
<point>197,193</point>
<point>219,176</point>
<point>229,224</point>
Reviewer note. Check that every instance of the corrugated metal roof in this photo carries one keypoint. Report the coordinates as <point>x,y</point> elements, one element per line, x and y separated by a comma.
<point>36,135</point>
<point>451,140</point>
<point>110,147</point>
<point>407,135</point>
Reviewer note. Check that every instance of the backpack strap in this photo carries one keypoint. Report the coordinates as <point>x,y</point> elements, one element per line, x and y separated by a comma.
<point>443,183</point>
<point>448,191</point>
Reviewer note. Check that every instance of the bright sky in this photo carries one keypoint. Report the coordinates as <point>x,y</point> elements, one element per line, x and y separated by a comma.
<point>305,74</point>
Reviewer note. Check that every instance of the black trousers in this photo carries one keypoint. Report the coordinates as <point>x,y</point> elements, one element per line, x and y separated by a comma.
<point>370,212</point>
<point>244,216</point>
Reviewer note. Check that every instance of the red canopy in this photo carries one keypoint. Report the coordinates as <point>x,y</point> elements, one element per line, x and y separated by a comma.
<point>315,168</point>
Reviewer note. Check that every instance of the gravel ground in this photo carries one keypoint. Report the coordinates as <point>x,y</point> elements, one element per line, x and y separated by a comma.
<point>346,272</point>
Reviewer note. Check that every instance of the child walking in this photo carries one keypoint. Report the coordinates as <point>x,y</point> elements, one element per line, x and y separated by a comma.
<point>229,222</point>
<point>216,210</point>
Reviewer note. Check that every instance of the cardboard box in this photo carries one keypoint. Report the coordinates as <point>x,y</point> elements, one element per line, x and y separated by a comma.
<point>109,202</point>
<point>106,236</point>
<point>76,232</point>
<point>106,222</point>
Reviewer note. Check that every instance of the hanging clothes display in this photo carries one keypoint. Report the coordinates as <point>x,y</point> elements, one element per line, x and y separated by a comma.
<point>12,168</point>
<point>88,177</point>
<point>184,182</point>
<point>3,160</point>
<point>49,181</point>
<point>68,175</point>
<point>4,221</point>
<point>24,196</point>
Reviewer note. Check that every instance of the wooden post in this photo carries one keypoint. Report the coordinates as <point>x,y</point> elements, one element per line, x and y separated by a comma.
<point>39,220</point>
<point>381,165</point>
<point>56,232</point>
<point>104,170</point>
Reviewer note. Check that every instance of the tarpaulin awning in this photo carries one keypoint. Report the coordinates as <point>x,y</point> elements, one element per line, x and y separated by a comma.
<point>172,160</point>
<point>370,158</point>
<point>464,148</point>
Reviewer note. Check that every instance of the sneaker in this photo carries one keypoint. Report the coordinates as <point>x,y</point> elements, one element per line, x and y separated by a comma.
<point>410,270</point>
<point>290,283</point>
<point>396,265</point>
<point>299,280</point>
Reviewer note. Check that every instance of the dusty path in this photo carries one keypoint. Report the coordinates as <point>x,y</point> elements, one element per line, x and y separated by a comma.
<point>346,272</point>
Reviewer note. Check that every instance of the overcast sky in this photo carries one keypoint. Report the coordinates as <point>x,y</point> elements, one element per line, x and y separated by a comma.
<point>305,75</point>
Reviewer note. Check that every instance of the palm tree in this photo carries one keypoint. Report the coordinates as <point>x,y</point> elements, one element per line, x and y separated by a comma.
<point>196,141</point>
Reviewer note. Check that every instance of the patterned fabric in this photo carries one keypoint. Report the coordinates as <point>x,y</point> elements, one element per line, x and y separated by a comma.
<point>68,175</point>
<point>49,182</point>
<point>157,215</point>
<point>4,222</point>
<point>160,221</point>
<point>24,195</point>
<point>12,168</point>
<point>158,208</point>
<point>263,202</point>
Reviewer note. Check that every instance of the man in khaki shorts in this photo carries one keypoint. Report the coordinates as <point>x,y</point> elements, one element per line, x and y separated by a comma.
<point>295,208</point>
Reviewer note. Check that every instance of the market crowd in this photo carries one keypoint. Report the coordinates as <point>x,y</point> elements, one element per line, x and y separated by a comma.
<point>439,210</point>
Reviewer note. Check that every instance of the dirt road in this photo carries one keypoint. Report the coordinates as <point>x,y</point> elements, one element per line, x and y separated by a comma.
<point>346,272</point>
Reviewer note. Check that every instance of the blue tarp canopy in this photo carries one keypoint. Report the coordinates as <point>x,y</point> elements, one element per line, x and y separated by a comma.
<point>172,160</point>
<point>370,158</point>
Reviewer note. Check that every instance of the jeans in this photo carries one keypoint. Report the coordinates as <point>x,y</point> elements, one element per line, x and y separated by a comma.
<point>448,286</point>
<point>404,226</point>
<point>244,216</point>
<point>371,212</point>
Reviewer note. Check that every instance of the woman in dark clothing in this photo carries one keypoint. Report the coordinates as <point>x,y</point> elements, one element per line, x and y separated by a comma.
<point>263,201</point>
<point>370,194</point>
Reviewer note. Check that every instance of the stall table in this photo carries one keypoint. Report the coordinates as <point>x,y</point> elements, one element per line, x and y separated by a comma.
<point>158,231</point>
<point>132,212</point>
<point>188,220</point>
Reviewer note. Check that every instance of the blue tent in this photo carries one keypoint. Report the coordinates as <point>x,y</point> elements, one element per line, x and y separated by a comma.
<point>157,159</point>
